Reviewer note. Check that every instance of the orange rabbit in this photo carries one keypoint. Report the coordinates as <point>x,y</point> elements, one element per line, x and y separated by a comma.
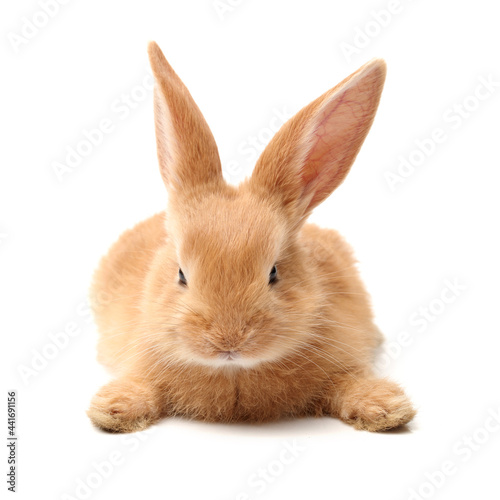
<point>228,307</point>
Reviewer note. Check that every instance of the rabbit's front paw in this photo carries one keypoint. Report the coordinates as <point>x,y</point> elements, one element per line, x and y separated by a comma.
<point>375,405</point>
<point>123,406</point>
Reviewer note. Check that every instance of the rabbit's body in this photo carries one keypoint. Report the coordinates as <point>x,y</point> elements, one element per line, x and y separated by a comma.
<point>228,307</point>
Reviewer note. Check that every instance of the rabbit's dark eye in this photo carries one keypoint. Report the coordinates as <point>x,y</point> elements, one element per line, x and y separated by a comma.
<point>182,278</point>
<point>273,275</point>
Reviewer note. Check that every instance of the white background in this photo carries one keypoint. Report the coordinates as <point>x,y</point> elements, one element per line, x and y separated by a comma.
<point>256,58</point>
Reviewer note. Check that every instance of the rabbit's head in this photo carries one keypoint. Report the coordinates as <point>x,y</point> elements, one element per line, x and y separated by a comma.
<point>241,286</point>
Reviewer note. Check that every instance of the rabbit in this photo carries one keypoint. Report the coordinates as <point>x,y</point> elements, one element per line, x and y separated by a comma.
<point>228,306</point>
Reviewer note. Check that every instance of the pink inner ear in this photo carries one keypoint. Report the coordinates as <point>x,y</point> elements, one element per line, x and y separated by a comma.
<point>339,129</point>
<point>312,153</point>
<point>331,142</point>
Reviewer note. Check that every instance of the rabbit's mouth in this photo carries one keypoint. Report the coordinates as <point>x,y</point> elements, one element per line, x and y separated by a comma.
<point>228,358</point>
<point>229,355</point>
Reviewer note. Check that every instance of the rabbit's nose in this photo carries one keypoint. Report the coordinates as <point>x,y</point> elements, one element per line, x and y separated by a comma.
<point>229,341</point>
<point>226,345</point>
<point>228,337</point>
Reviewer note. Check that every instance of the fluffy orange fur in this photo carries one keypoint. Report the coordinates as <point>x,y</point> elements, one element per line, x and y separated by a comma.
<point>230,344</point>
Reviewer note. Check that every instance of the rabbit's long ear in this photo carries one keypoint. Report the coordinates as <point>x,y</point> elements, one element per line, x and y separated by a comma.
<point>187,152</point>
<point>312,153</point>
